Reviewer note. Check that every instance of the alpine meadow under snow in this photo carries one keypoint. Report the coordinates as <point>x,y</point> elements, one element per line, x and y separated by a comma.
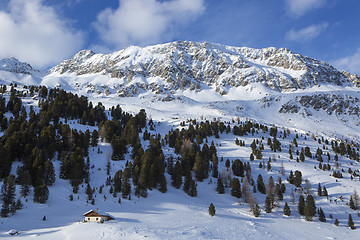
<point>153,136</point>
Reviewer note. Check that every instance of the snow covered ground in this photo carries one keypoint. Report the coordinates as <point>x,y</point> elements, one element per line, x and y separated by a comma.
<point>175,215</point>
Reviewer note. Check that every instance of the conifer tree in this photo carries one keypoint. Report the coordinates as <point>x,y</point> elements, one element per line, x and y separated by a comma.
<point>256,210</point>
<point>220,186</point>
<point>268,206</point>
<point>192,190</point>
<point>176,176</point>
<point>310,208</point>
<point>351,203</point>
<point>301,205</point>
<point>325,192</point>
<point>260,184</point>
<point>7,195</point>
<point>319,191</point>
<point>336,222</point>
<point>287,211</point>
<point>322,217</point>
<point>235,188</point>
<point>41,194</point>
<point>212,210</point>
<point>126,187</point>
<point>351,223</point>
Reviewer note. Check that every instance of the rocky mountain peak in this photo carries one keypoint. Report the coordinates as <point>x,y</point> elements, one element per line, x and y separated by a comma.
<point>188,65</point>
<point>14,65</point>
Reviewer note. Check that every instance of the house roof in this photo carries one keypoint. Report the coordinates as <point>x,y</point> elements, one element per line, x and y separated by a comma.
<point>93,213</point>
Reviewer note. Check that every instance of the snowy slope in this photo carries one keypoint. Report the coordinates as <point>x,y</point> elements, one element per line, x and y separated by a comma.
<point>183,80</point>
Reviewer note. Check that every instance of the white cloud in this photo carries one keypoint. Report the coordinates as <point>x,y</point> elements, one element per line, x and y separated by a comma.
<point>143,22</point>
<point>34,33</point>
<point>307,33</point>
<point>298,8</point>
<point>350,63</point>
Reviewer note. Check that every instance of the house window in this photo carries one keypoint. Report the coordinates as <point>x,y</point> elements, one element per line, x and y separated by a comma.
<point>89,219</point>
<point>97,219</point>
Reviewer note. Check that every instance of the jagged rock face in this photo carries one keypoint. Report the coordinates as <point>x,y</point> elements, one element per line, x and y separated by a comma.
<point>15,66</point>
<point>331,103</point>
<point>187,65</point>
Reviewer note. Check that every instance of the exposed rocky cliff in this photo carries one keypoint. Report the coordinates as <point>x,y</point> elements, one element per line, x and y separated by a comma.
<point>187,65</point>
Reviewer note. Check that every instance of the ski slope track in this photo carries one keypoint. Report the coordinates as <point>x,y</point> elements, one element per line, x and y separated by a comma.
<point>178,81</point>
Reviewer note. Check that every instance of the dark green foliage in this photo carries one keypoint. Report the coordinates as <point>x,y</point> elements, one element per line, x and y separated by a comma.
<point>287,211</point>
<point>322,217</point>
<point>176,175</point>
<point>212,210</point>
<point>301,205</point>
<point>7,195</point>
<point>118,181</point>
<point>351,203</point>
<point>199,167</point>
<point>238,168</point>
<point>192,191</point>
<point>325,192</point>
<point>126,187</point>
<point>268,205</point>
<point>41,194</point>
<point>235,188</point>
<point>310,208</point>
<point>260,184</point>
<point>256,210</point>
<point>351,223</point>
<point>319,191</point>
<point>220,186</point>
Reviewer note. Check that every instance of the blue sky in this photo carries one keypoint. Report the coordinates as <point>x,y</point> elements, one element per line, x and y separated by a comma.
<point>45,32</point>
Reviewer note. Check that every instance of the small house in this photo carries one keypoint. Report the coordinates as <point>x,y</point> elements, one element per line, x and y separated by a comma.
<point>95,216</point>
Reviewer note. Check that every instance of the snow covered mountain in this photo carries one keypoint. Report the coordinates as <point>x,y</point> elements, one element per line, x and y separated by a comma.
<point>270,85</point>
<point>189,65</point>
<point>313,105</point>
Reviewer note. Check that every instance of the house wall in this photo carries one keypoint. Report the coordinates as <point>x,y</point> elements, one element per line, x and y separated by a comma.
<point>95,219</point>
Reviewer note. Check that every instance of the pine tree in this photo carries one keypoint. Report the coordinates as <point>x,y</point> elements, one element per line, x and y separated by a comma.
<point>220,186</point>
<point>192,190</point>
<point>351,223</point>
<point>256,210</point>
<point>199,167</point>
<point>325,192</point>
<point>41,194</point>
<point>319,192</point>
<point>268,207</point>
<point>176,176</point>
<point>235,188</point>
<point>7,195</point>
<point>260,184</point>
<point>310,208</point>
<point>212,210</point>
<point>126,187</point>
<point>301,205</point>
<point>287,211</point>
<point>351,203</point>
<point>321,215</point>
<point>336,222</point>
